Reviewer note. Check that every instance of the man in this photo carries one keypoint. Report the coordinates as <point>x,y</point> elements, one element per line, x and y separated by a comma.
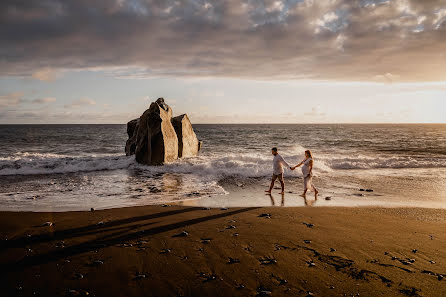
<point>278,163</point>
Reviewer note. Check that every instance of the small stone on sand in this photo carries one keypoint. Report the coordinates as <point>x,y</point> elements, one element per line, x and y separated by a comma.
<point>414,251</point>
<point>78,276</point>
<point>233,261</point>
<point>181,234</point>
<point>265,215</point>
<point>328,198</point>
<point>332,250</point>
<point>165,251</point>
<point>49,224</point>
<point>307,241</point>
<point>231,227</point>
<point>139,276</point>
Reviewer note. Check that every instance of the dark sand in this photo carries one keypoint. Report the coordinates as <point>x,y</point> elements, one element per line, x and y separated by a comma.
<point>354,251</point>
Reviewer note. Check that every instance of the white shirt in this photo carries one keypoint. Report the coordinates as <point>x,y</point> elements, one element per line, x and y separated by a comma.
<point>306,167</point>
<point>278,163</point>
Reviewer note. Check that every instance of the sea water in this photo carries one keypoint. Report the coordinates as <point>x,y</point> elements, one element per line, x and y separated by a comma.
<point>76,167</point>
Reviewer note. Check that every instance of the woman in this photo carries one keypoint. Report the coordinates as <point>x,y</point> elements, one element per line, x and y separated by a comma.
<point>307,171</point>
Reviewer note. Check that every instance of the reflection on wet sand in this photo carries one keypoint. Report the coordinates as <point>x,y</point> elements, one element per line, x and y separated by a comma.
<point>282,203</point>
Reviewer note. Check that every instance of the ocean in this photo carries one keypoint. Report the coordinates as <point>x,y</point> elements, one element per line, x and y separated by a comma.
<point>76,167</point>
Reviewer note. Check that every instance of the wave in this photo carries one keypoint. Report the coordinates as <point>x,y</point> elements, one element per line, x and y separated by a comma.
<point>210,166</point>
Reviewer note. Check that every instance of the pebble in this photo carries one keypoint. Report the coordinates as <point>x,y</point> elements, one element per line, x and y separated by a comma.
<point>411,260</point>
<point>165,205</point>
<point>231,227</point>
<point>206,241</point>
<point>414,251</point>
<point>432,262</point>
<point>73,292</point>
<point>265,215</point>
<point>332,287</point>
<point>181,234</point>
<point>78,276</point>
<point>440,277</point>
<point>49,224</point>
<point>97,262</point>
<point>239,287</point>
<point>165,251</point>
<point>100,223</point>
<point>307,241</point>
<point>328,198</point>
<point>92,209</point>
<point>233,261</point>
<point>268,261</point>
<point>224,208</point>
<point>206,208</point>
<point>332,250</point>
<point>60,244</point>
<point>264,293</point>
<point>393,258</point>
<point>235,234</point>
<point>311,264</point>
<point>309,225</point>
<point>309,294</point>
<point>139,276</point>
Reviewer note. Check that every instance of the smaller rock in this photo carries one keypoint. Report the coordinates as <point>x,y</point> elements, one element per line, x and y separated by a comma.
<point>283,282</point>
<point>72,292</point>
<point>440,277</point>
<point>240,287</point>
<point>362,190</point>
<point>386,253</point>
<point>394,258</point>
<point>139,276</point>
<point>369,190</point>
<point>60,244</point>
<point>92,209</point>
<point>309,225</point>
<point>311,264</point>
<point>411,260</point>
<point>165,251</point>
<point>332,287</point>
<point>328,198</point>
<point>307,241</point>
<point>268,261</point>
<point>265,215</point>
<point>78,276</point>
<point>332,250</point>
<point>231,227</point>
<point>206,241</point>
<point>414,251</point>
<point>101,223</point>
<point>432,262</point>
<point>181,234</point>
<point>206,208</point>
<point>97,262</point>
<point>235,234</point>
<point>233,261</point>
<point>47,224</point>
<point>224,208</point>
<point>309,294</point>
<point>165,205</point>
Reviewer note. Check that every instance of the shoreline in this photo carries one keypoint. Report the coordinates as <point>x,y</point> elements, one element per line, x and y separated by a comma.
<point>143,250</point>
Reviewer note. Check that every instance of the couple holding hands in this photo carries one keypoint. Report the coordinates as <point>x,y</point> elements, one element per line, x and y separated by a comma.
<point>307,171</point>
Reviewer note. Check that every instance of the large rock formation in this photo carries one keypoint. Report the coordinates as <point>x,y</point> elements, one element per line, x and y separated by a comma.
<point>153,139</point>
<point>188,144</point>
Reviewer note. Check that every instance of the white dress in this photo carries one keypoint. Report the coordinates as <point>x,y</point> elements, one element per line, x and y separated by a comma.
<point>308,176</point>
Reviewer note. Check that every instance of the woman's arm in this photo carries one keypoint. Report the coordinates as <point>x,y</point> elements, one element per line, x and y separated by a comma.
<point>298,165</point>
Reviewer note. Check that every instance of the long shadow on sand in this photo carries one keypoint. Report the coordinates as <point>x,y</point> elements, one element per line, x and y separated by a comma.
<point>112,239</point>
<point>86,230</point>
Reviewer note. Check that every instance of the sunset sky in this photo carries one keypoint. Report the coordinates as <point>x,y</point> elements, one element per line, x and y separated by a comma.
<point>233,61</point>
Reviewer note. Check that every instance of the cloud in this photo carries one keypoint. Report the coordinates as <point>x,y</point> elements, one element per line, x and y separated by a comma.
<point>273,39</point>
<point>44,100</point>
<point>80,102</point>
<point>46,74</point>
<point>11,99</point>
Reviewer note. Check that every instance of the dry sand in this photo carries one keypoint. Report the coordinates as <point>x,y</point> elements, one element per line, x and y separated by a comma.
<point>294,252</point>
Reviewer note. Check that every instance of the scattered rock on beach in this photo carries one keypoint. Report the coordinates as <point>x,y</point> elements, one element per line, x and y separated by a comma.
<point>328,198</point>
<point>233,261</point>
<point>440,277</point>
<point>267,261</point>
<point>101,223</point>
<point>309,225</point>
<point>92,209</point>
<point>165,251</point>
<point>414,251</point>
<point>206,240</point>
<point>181,234</point>
<point>47,224</point>
<point>265,215</point>
<point>78,276</point>
<point>231,227</point>
<point>307,241</point>
<point>332,250</point>
<point>311,264</point>
<point>139,276</point>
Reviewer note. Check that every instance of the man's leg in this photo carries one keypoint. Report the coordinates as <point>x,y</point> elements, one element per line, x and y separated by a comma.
<point>273,180</point>
<point>282,183</point>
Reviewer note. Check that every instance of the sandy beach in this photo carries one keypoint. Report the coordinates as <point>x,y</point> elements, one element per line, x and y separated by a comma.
<point>192,251</point>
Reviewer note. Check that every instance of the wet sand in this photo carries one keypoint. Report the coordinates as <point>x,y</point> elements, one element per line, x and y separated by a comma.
<point>191,251</point>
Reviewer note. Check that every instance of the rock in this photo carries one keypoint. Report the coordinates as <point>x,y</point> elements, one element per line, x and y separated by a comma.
<point>268,261</point>
<point>309,225</point>
<point>181,234</point>
<point>224,208</point>
<point>414,251</point>
<point>206,241</point>
<point>165,251</point>
<point>369,190</point>
<point>139,276</point>
<point>328,198</point>
<point>362,190</point>
<point>432,261</point>
<point>78,276</point>
<point>156,138</point>
<point>311,264</point>
<point>307,241</point>
<point>332,250</point>
<point>101,223</point>
<point>231,227</point>
<point>188,144</point>
<point>265,215</point>
<point>240,287</point>
<point>92,209</point>
<point>233,261</point>
<point>153,141</point>
<point>440,277</point>
<point>47,224</point>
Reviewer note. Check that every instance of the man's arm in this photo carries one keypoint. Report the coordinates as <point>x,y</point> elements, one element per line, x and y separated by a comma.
<point>285,163</point>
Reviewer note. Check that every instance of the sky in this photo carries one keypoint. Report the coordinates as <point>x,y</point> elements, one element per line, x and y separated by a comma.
<point>233,61</point>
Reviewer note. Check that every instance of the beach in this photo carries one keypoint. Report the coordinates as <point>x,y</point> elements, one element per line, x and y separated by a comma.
<point>171,250</point>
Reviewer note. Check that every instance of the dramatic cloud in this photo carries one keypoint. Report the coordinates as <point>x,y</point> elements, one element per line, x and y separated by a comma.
<point>265,39</point>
